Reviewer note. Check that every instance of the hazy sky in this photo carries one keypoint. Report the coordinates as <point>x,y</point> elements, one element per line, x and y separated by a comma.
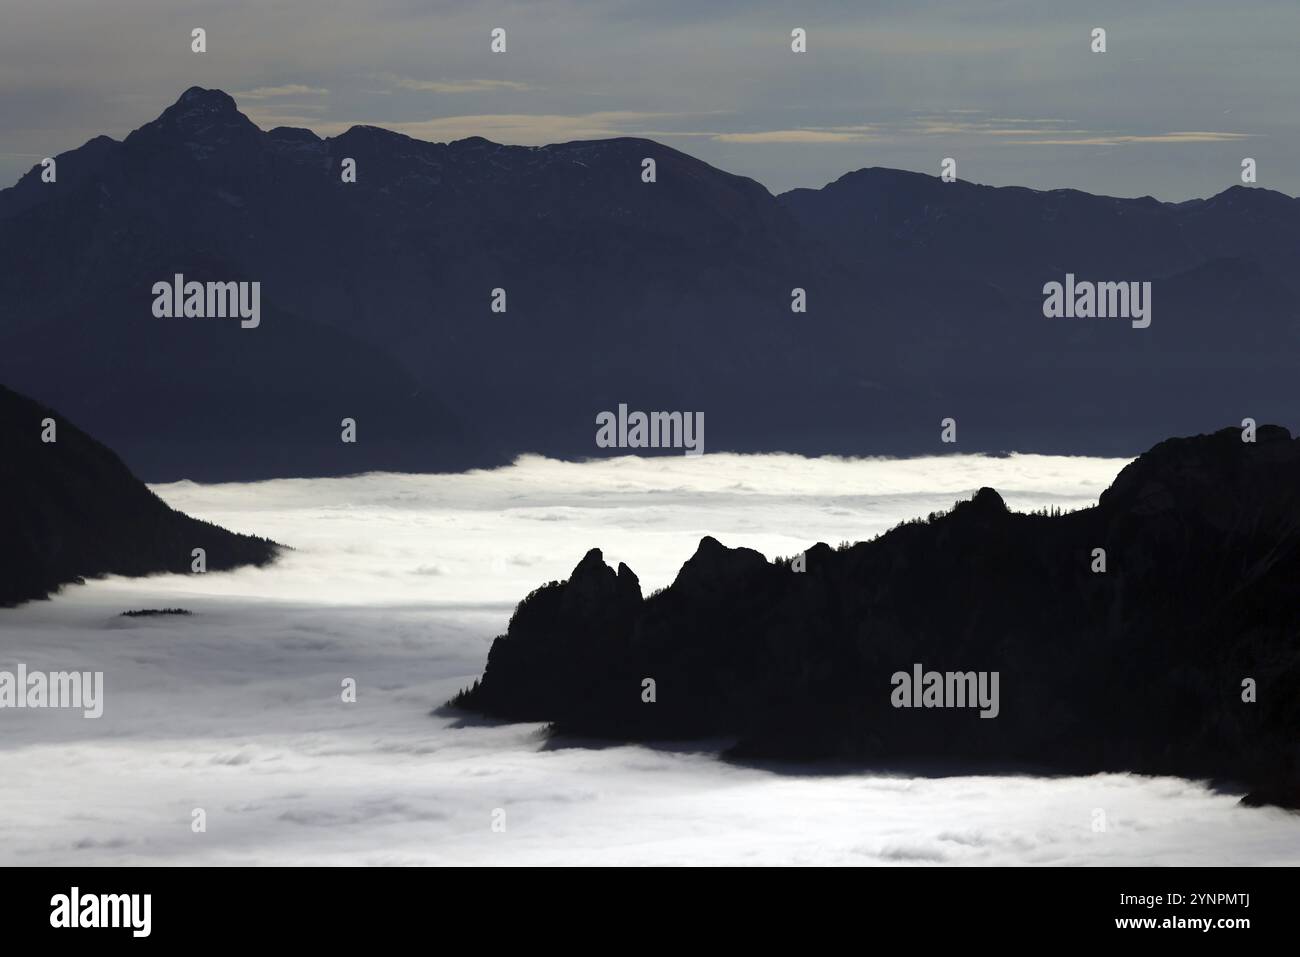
<point>1010,88</point>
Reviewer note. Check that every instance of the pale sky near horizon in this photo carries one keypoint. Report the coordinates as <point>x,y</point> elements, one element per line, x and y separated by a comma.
<point>1010,88</point>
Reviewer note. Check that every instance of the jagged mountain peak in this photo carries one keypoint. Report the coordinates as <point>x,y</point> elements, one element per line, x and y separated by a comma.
<point>196,103</point>
<point>714,563</point>
<point>986,503</point>
<point>205,120</point>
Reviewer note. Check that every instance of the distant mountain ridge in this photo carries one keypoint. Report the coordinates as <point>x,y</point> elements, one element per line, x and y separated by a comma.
<point>924,302</point>
<point>1141,667</point>
<point>72,510</point>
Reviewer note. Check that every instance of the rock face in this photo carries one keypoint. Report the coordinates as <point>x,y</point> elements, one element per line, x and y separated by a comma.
<point>69,509</point>
<point>580,620</point>
<point>1140,667</point>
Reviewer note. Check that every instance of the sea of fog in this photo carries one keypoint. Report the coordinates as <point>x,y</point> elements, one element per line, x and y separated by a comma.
<point>401,582</point>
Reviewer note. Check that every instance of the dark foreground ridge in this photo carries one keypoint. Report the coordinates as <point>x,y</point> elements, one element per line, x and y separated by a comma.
<point>1139,668</point>
<point>70,510</point>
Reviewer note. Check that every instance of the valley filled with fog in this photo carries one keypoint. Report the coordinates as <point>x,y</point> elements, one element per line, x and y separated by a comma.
<point>402,581</point>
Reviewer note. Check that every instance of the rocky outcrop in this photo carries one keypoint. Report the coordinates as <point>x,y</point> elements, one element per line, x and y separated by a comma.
<point>69,509</point>
<point>582,619</point>
<point>1181,656</point>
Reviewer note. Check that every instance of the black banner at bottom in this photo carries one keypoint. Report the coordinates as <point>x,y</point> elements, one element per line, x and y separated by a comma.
<point>333,906</point>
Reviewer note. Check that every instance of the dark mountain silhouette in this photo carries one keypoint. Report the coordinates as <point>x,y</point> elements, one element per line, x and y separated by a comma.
<point>924,301</point>
<point>72,510</point>
<point>1139,668</point>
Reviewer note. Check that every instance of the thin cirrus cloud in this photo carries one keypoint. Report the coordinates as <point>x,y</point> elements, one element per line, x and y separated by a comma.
<point>536,129</point>
<point>517,129</point>
<point>1020,132</point>
<point>451,86</point>
<point>1176,137</point>
<point>1052,132</point>
<point>798,136</point>
<point>523,128</point>
<point>274,92</point>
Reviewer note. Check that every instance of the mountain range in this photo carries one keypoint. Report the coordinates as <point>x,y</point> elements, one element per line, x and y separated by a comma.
<point>1173,652</point>
<point>924,301</point>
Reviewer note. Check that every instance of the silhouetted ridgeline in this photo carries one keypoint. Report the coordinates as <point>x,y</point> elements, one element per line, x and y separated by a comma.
<point>924,300</point>
<point>70,509</point>
<point>1139,668</point>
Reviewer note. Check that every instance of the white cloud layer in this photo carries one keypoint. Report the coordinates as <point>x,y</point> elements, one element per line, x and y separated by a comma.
<point>400,582</point>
